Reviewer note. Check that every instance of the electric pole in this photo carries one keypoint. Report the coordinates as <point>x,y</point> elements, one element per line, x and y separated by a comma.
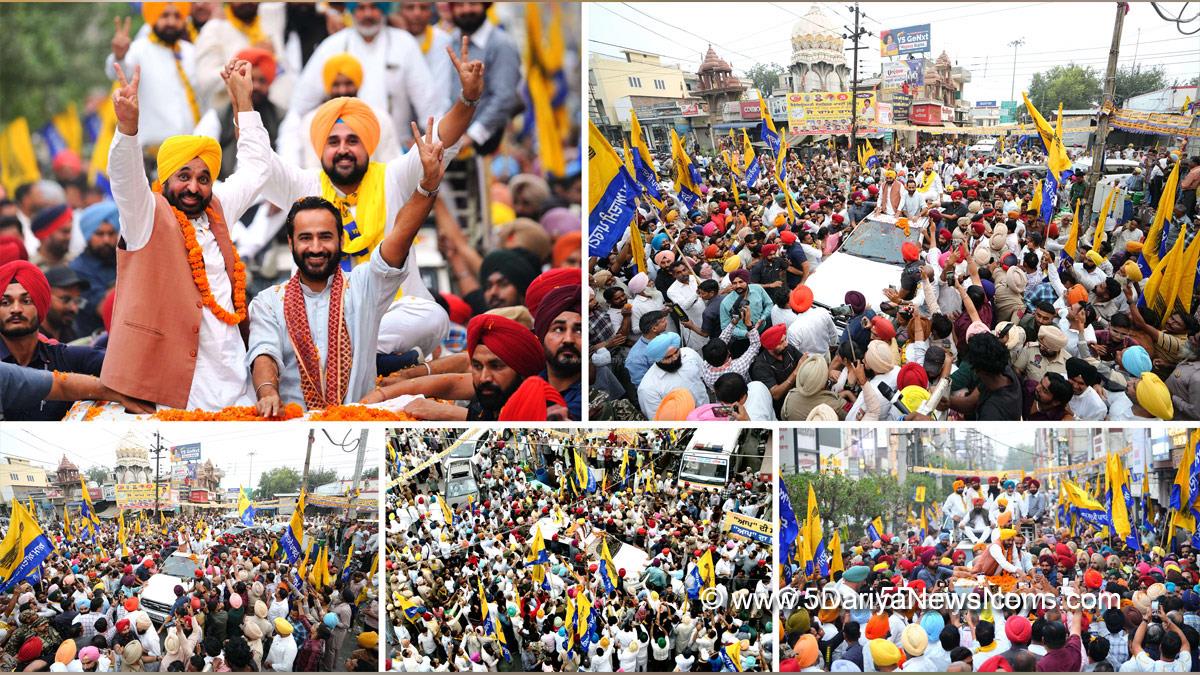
<point>1012,88</point>
<point>307,456</point>
<point>157,450</point>
<point>250,473</point>
<point>1107,108</point>
<point>856,35</point>
<point>358,461</point>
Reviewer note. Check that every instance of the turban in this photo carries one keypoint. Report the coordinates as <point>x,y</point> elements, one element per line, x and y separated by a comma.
<point>368,640</point>
<point>252,631</point>
<point>983,255</point>
<point>659,346</point>
<point>32,279</point>
<point>959,484</point>
<point>769,250</point>
<point>1094,257</point>
<point>1077,293</point>
<point>354,112</point>
<point>883,328</point>
<point>664,258</point>
<point>879,357</point>
<point>560,300</point>
<point>12,248</point>
<point>732,264</point>
<point>812,377</point>
<point>133,650</point>
<point>883,652</point>
<point>1093,579</point>
<point>89,654</point>
<point>740,274</point>
<point>889,174</point>
<point>1018,629</point>
<point>913,396</point>
<point>151,11</point>
<point>31,649</point>
<point>260,607</point>
<point>910,251</point>
<point>530,402</point>
<point>807,651</point>
<point>660,241</point>
<point>1017,279</point>
<point>912,373</point>
<point>709,229</point>
<point>856,300</point>
<point>671,216</point>
<point>518,314</point>
<point>49,220</point>
<point>956,195</point>
<point>996,243</point>
<point>638,283</point>
<point>66,652</point>
<point>1132,271</point>
<point>1007,534</point>
<point>282,626</point>
<point>261,59</point>
<point>675,406</point>
<point>838,219</point>
<point>711,252</point>
<point>559,222</point>
<point>773,336</point>
<point>177,151</point>
<point>1052,338</point>
<point>978,227</point>
<point>788,237</point>
<point>822,413</point>
<point>975,328</point>
<point>1152,394</point>
<point>527,234</point>
<point>123,625</point>
<point>877,625</point>
<point>914,640</point>
<point>1015,336</point>
<point>516,265</point>
<point>1136,360</point>
<point>544,283</point>
<point>800,299</point>
<point>1077,367</point>
<point>933,623</point>
<point>96,215</point>
<point>341,64</point>
<point>1134,246</point>
<point>515,344</point>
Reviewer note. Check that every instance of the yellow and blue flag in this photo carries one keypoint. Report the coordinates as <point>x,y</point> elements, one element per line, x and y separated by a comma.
<point>867,158</point>
<point>1186,485</point>
<point>814,537</point>
<point>447,513</point>
<point>611,193</point>
<point>489,625</point>
<point>24,548</point>
<point>875,529</point>
<point>789,528</point>
<point>1071,248</point>
<point>371,575</point>
<point>537,558</point>
<point>411,609</point>
<point>1085,507</point>
<point>245,507</point>
<point>1120,501</point>
<point>293,537</point>
<point>585,621</point>
<point>835,549</point>
<point>1155,246</point>
<point>1146,500</point>
<point>1173,281</point>
<point>731,657</point>
<point>1058,164</point>
<point>88,512</point>
<point>770,134</point>
<point>751,167</point>
<point>642,163</point>
<point>346,563</point>
<point>686,177</point>
<point>608,570</point>
<point>546,86</point>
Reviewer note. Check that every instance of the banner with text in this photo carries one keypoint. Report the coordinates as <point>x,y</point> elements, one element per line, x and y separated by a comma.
<point>896,74</point>
<point>745,527</point>
<point>828,112</point>
<point>139,496</point>
<point>901,41</point>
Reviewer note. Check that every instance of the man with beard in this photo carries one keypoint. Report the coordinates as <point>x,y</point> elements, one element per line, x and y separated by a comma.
<point>745,294</point>
<point>395,77</point>
<point>66,289</point>
<point>504,276</point>
<point>167,62</point>
<point>100,225</point>
<point>175,337</point>
<point>558,323</point>
<point>891,195</point>
<point>218,123</point>
<point>52,228</point>
<point>502,60</point>
<point>25,297</point>
<point>313,339</point>
<point>674,368</point>
<point>239,26</point>
<point>954,508</point>
<point>345,134</point>
<point>417,19</point>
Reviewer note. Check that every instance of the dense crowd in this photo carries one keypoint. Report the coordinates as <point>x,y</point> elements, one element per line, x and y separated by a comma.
<point>1009,546</point>
<point>984,315</point>
<point>297,200</point>
<point>242,608</point>
<point>593,574</point>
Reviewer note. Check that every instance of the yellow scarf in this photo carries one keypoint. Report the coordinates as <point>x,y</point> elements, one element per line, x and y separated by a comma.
<point>427,41</point>
<point>363,228</point>
<point>927,182</point>
<point>183,78</point>
<point>253,30</point>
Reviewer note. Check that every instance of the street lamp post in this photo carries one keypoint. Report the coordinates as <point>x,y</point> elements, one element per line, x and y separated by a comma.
<point>1012,89</point>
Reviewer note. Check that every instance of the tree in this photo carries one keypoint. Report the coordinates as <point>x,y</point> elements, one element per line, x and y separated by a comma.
<point>1134,81</point>
<point>371,473</point>
<point>849,504</point>
<point>1072,85</point>
<point>97,475</point>
<point>765,77</point>
<point>321,477</point>
<point>280,480</point>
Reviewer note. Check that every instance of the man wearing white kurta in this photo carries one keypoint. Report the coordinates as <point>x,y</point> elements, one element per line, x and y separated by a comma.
<point>813,331</point>
<point>657,382</point>
<point>683,294</point>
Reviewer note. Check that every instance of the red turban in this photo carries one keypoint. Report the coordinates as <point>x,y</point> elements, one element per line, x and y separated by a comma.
<point>545,282</point>
<point>773,336</point>
<point>530,401</point>
<point>883,328</point>
<point>459,310</point>
<point>261,59</point>
<point>910,251</point>
<point>912,373</point>
<point>515,344</point>
<point>30,650</point>
<point>12,248</point>
<point>800,299</point>
<point>788,237</point>
<point>32,279</point>
<point>557,301</point>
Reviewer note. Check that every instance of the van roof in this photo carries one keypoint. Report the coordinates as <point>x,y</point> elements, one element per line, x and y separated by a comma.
<point>721,436</point>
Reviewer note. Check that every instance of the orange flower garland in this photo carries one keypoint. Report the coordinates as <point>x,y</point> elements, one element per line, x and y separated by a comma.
<point>200,276</point>
<point>359,413</point>
<point>237,413</point>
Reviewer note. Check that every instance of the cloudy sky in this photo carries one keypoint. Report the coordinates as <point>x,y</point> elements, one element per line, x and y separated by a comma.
<point>227,444</point>
<point>974,34</point>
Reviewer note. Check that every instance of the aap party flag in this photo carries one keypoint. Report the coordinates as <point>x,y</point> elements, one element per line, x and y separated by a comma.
<point>611,194</point>
<point>293,536</point>
<point>23,549</point>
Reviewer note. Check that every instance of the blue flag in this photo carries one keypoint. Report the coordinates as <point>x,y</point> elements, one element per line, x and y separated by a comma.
<point>789,527</point>
<point>611,194</point>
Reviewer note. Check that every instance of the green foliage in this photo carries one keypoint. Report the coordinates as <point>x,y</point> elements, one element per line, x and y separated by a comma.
<point>321,477</point>
<point>765,76</point>
<point>280,480</point>
<point>97,475</point>
<point>1133,81</point>
<point>1073,85</point>
<point>848,503</point>
<point>51,55</point>
<point>371,473</point>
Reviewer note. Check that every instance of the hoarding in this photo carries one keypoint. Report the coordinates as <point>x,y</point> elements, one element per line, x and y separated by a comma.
<point>745,527</point>
<point>901,106</point>
<point>986,104</point>
<point>828,112</point>
<point>896,74</point>
<point>901,41</point>
<point>136,495</point>
<point>187,453</point>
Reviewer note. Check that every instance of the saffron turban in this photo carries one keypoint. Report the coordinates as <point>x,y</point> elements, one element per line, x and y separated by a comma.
<point>675,406</point>
<point>342,64</point>
<point>800,299</point>
<point>261,59</point>
<point>354,112</point>
<point>530,402</point>
<point>177,151</point>
<point>515,344</point>
<point>151,11</point>
<point>1153,395</point>
<point>32,279</point>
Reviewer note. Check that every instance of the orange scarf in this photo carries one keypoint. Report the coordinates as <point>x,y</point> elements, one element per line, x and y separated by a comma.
<point>330,390</point>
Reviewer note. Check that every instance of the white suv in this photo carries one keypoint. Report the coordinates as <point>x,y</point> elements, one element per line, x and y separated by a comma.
<point>158,595</point>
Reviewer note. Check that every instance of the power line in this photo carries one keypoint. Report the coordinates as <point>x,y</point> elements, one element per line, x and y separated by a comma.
<point>1178,20</point>
<point>698,37</point>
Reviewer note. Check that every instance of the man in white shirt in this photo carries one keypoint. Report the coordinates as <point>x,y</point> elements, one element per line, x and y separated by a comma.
<point>395,75</point>
<point>167,62</point>
<point>684,294</point>
<point>417,19</point>
<point>674,368</point>
<point>241,25</point>
<point>954,507</point>
<point>813,330</point>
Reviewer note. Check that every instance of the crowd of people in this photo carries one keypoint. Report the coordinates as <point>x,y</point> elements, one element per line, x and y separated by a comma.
<point>725,313</point>
<point>1114,608</point>
<point>271,173</point>
<point>550,567</point>
<point>90,609</point>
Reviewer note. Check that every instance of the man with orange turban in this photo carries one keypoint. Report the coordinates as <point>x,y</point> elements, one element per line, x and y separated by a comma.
<point>346,133</point>
<point>167,61</point>
<point>218,123</point>
<point>234,29</point>
<point>176,337</point>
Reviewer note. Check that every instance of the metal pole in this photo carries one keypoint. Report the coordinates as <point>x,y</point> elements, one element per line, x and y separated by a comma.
<point>854,88</point>
<point>1012,88</point>
<point>358,462</point>
<point>307,456</point>
<point>157,454</point>
<point>1110,86</point>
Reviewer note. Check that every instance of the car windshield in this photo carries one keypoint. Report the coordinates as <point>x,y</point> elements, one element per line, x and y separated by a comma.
<point>879,241</point>
<point>460,487</point>
<point>704,469</point>
<point>179,566</point>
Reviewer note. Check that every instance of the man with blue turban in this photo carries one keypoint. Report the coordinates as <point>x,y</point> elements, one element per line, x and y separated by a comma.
<point>97,265</point>
<point>675,367</point>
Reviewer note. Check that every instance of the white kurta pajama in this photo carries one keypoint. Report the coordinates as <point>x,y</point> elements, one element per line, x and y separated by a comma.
<point>220,378</point>
<point>165,110</point>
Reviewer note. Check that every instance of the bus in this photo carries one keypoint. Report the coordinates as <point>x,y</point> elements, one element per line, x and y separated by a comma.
<point>715,453</point>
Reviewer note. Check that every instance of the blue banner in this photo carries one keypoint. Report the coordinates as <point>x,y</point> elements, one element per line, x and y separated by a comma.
<point>645,177</point>
<point>753,173</point>
<point>789,527</point>
<point>34,555</point>
<point>907,40</point>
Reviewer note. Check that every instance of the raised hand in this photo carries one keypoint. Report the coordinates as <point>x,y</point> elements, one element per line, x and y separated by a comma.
<point>121,40</point>
<point>240,84</point>
<point>470,73</point>
<point>125,101</point>
<point>432,153</point>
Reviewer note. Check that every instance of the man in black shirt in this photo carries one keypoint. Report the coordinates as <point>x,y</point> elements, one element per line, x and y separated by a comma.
<point>776,365</point>
<point>999,391</point>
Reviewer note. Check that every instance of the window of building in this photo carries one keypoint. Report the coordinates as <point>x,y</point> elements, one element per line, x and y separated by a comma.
<point>635,81</point>
<point>13,476</point>
<point>659,84</point>
<point>29,478</point>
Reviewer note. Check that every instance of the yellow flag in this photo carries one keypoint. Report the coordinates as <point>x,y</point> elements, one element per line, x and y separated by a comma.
<point>835,549</point>
<point>708,573</point>
<point>67,531</point>
<point>542,62</point>
<point>18,163</point>
<point>70,128</point>
<point>815,530</point>
<point>362,595</point>
<point>1108,201</point>
<point>1158,229</point>
<point>1072,246</point>
<point>121,531</point>
<point>1173,280</point>
<point>23,549</point>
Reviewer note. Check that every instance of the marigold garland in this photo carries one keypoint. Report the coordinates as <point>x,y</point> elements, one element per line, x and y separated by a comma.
<point>359,413</point>
<point>200,277</point>
<point>94,410</point>
<point>237,413</point>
